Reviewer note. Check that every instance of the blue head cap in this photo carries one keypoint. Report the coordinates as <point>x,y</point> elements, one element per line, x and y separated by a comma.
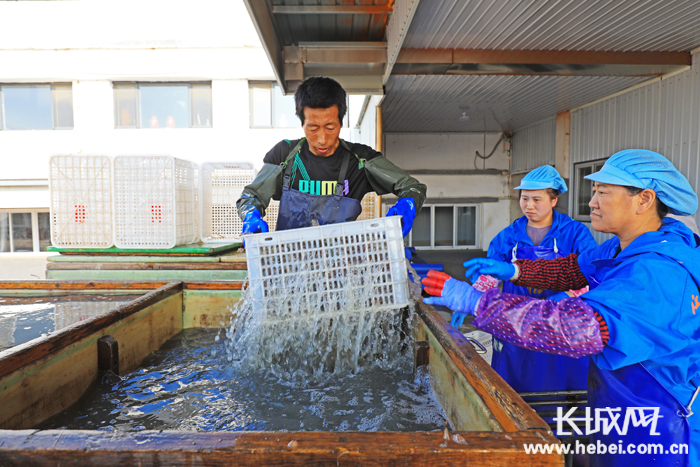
<point>542,178</point>
<point>647,169</point>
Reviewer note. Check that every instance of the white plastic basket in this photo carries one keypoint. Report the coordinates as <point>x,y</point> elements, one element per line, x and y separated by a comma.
<point>81,201</point>
<point>222,185</point>
<point>309,268</point>
<point>154,202</point>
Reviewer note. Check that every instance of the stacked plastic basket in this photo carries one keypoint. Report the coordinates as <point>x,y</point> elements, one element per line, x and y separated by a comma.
<point>151,202</point>
<point>222,185</point>
<point>154,202</point>
<point>81,201</point>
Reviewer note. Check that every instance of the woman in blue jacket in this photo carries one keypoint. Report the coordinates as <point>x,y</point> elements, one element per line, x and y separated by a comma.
<point>542,233</point>
<point>639,322</point>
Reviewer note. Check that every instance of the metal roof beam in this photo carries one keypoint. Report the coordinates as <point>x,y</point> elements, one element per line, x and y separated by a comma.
<point>396,30</point>
<point>332,9</point>
<point>537,62</point>
<point>348,53</point>
<point>543,56</point>
<point>357,66</point>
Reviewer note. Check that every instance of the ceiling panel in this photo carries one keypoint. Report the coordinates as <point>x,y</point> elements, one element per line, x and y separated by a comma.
<point>295,28</point>
<point>493,103</point>
<point>601,25</point>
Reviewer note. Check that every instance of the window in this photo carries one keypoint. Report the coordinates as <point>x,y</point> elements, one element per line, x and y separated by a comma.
<point>583,189</point>
<point>445,226</point>
<point>36,107</point>
<point>162,105</point>
<point>24,231</point>
<point>270,109</point>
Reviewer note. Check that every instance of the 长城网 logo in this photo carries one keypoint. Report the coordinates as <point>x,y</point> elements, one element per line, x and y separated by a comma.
<point>607,419</point>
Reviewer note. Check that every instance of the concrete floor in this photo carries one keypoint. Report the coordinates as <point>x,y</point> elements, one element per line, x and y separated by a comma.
<point>23,266</point>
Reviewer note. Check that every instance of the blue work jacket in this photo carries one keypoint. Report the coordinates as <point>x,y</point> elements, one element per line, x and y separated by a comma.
<point>649,296</point>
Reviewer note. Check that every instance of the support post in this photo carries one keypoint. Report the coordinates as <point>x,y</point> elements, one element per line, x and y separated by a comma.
<point>422,356</point>
<point>108,354</point>
<point>378,145</point>
<point>561,146</point>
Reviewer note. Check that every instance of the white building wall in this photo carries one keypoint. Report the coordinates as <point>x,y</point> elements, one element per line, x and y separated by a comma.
<point>93,44</point>
<point>446,164</point>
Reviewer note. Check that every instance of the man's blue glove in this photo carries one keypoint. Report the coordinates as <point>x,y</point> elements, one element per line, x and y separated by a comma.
<point>456,295</point>
<point>487,266</point>
<point>406,208</point>
<point>253,223</point>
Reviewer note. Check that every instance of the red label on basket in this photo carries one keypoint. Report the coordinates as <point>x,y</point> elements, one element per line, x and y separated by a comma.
<point>79,213</point>
<point>156,214</point>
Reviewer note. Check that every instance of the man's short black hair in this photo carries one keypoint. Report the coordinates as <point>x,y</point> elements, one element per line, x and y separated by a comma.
<point>319,92</point>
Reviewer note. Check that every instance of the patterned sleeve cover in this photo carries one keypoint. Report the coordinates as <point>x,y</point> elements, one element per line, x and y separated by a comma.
<point>568,327</point>
<point>557,274</point>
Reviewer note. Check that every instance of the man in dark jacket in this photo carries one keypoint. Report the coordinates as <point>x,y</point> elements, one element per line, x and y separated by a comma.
<point>321,179</point>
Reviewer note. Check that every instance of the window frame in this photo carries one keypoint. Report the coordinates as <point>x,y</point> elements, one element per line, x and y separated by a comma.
<point>251,119</point>
<point>577,183</point>
<point>54,117</point>
<point>137,85</point>
<point>36,246</point>
<point>454,246</point>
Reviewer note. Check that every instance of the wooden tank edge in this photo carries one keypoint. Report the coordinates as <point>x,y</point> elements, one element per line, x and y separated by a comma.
<point>521,423</point>
<point>436,449</point>
<point>510,409</point>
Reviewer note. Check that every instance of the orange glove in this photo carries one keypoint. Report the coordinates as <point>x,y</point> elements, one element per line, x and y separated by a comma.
<point>435,282</point>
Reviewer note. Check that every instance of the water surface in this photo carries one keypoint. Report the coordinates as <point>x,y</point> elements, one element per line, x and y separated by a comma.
<point>26,318</point>
<point>188,384</point>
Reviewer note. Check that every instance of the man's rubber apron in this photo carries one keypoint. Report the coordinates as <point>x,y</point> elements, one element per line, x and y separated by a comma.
<point>634,386</point>
<point>299,209</point>
<point>527,370</point>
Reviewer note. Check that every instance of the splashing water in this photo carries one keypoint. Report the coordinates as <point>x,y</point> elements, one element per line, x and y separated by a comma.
<point>320,323</point>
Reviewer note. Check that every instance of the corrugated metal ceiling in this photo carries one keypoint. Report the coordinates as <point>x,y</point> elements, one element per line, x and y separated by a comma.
<point>595,25</point>
<point>493,103</point>
<point>433,102</point>
<point>295,28</point>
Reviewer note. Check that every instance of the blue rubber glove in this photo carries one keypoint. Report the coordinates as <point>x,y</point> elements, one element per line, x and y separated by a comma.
<point>406,208</point>
<point>407,252</point>
<point>492,267</point>
<point>253,223</point>
<point>456,295</point>
<point>559,296</point>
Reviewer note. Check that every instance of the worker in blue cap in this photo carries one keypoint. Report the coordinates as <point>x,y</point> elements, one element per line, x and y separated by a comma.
<point>543,233</point>
<point>640,321</point>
